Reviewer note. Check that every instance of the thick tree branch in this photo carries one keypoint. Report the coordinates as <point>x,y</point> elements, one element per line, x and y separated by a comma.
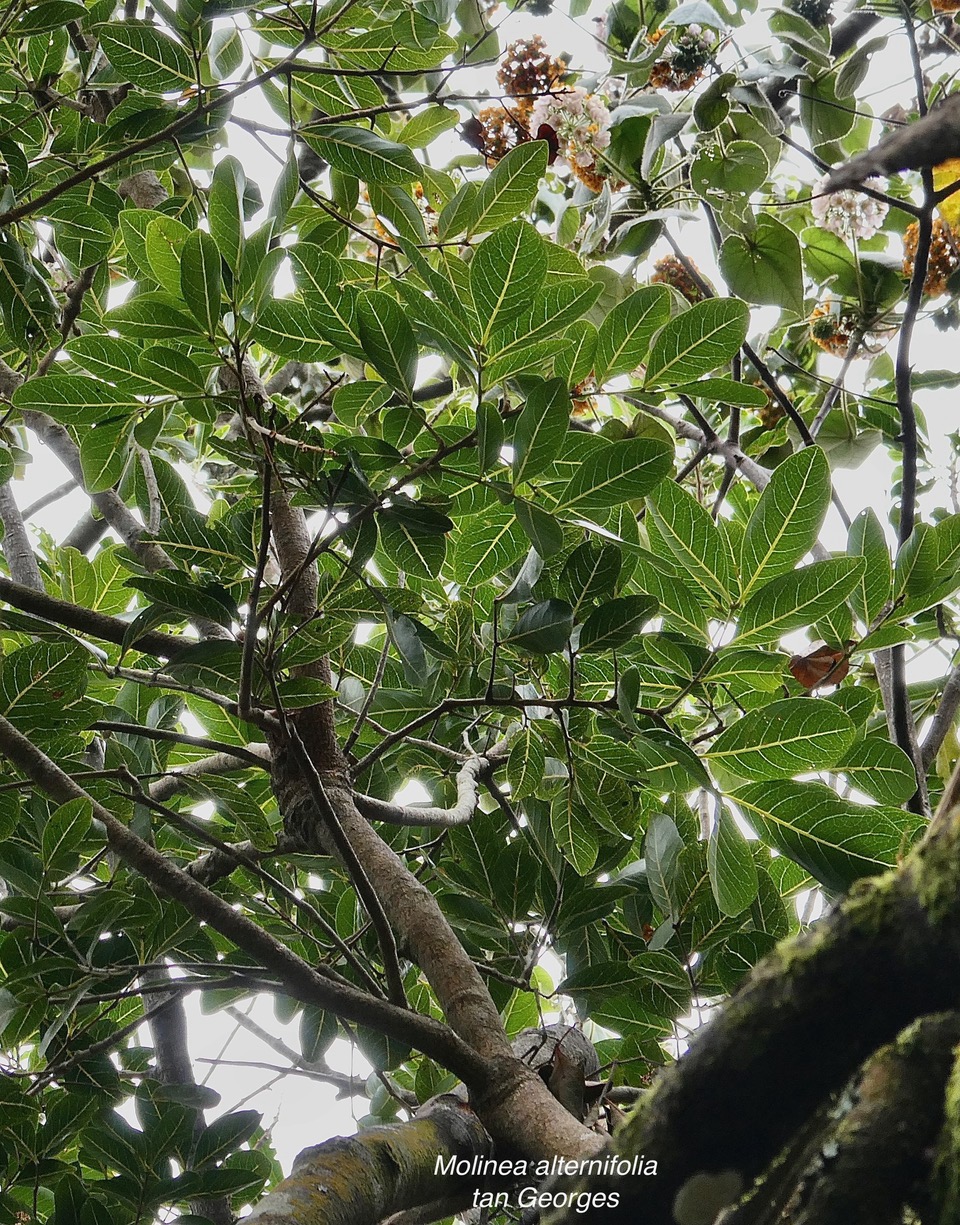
<point>87,621</point>
<point>880,1149</point>
<point>895,942</point>
<point>362,1179</point>
<point>932,139</point>
<point>300,981</point>
<point>17,549</point>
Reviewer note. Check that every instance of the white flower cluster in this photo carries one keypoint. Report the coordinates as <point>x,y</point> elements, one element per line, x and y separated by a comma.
<point>580,120</point>
<point>849,214</point>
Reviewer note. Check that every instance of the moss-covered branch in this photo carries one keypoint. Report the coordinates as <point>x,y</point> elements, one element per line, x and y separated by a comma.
<point>796,1031</point>
<point>362,1179</point>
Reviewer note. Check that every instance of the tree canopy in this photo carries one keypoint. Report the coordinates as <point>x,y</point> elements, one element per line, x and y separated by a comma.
<point>419,453</point>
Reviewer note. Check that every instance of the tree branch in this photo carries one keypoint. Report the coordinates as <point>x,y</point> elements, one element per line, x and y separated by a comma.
<point>300,981</point>
<point>468,794</point>
<point>880,1149</point>
<point>87,621</point>
<point>894,941</point>
<point>17,549</point>
<point>362,1179</point>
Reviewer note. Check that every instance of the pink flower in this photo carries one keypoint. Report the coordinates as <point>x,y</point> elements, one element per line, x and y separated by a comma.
<point>849,214</point>
<point>580,120</point>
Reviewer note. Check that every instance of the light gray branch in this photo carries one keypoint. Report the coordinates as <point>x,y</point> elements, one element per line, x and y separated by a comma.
<point>468,795</point>
<point>17,549</point>
<point>943,720</point>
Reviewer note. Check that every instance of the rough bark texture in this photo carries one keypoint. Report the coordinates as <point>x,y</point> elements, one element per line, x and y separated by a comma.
<point>929,141</point>
<point>882,1145</point>
<point>17,548</point>
<point>716,1119</point>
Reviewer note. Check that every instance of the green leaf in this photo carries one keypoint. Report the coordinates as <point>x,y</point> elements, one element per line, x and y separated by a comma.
<point>785,738</point>
<point>558,304</point>
<point>540,528</point>
<point>724,391</point>
<point>738,167</point>
<point>836,841</point>
<point>387,337</point>
<point>484,545</point>
<point>614,624</point>
<point>575,831</point>
<point>107,357</point>
<point>694,539</point>
<point>200,279</point>
<point>171,370</point>
<point>333,309</point>
<point>509,188</point>
<point>619,472</point>
<point>697,341</point>
<point>796,600</point>
<point>39,682</point>
<point>224,1135</point>
<point>866,539</point>
<point>426,126</point>
<point>103,456</point>
<point>51,15</point>
<point>765,267</point>
<point>152,316</point>
<point>625,333</point>
<point>363,154</point>
<point>591,573</point>
<point>543,629</point>
<point>525,764</point>
<point>147,57</point>
<point>412,552</point>
<point>74,399</point>
<point>661,849</point>
<point>506,271</point>
<point>225,210</point>
<point>65,831</point>
<point>163,244</point>
<point>84,235</point>
<point>786,521</point>
<point>540,430</point>
<point>733,871</point>
<point>880,770</point>
<point>825,117</point>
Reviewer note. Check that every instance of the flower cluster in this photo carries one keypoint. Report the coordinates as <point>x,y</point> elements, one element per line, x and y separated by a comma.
<point>771,414</point>
<point>832,328</point>
<point>849,214</point>
<point>942,262</point>
<point>671,271</point>
<point>580,120</point>
<point>528,70</point>
<point>496,130</point>
<point>682,67</point>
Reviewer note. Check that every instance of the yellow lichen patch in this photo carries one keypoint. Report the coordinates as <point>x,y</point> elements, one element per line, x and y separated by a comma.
<point>943,175</point>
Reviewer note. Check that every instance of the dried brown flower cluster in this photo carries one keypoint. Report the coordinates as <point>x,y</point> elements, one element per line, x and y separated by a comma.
<point>682,66</point>
<point>771,414</point>
<point>671,271</point>
<point>528,70</point>
<point>496,130</point>
<point>942,262</point>
<point>832,328</point>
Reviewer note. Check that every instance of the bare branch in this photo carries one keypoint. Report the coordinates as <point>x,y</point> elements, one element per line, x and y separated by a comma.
<point>468,794</point>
